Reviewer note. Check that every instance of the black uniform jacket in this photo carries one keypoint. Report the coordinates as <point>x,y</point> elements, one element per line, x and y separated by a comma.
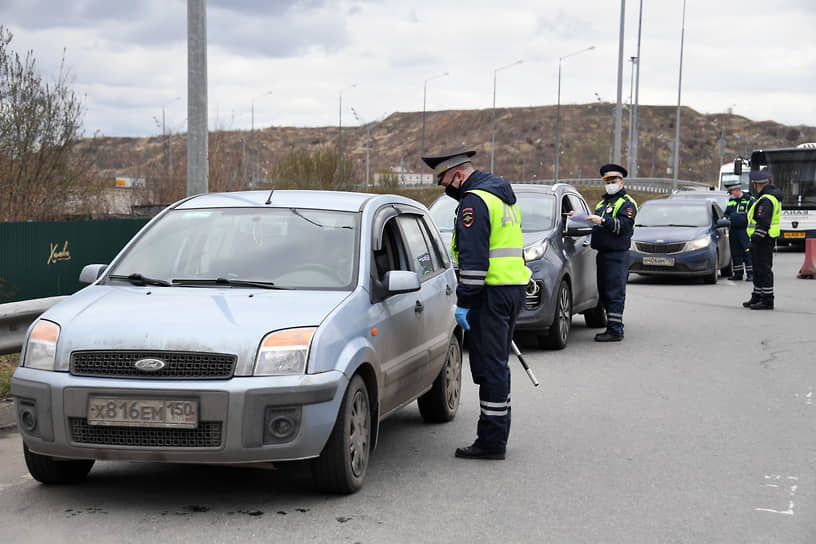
<point>764,209</point>
<point>473,230</point>
<point>615,232</point>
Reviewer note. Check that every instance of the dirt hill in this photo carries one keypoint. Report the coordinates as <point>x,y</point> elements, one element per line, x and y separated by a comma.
<point>525,143</point>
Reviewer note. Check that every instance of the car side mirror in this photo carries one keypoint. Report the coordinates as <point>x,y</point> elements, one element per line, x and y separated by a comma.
<point>724,222</point>
<point>401,281</point>
<point>91,272</point>
<point>577,228</point>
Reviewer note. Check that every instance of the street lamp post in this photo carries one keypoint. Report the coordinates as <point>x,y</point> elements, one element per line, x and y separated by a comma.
<point>493,131</point>
<point>368,140</point>
<point>676,159</point>
<point>558,112</point>
<point>630,140</point>
<point>424,95</point>
<point>340,137</point>
<point>252,151</point>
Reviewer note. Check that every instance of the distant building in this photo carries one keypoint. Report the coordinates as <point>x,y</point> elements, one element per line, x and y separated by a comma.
<point>404,178</point>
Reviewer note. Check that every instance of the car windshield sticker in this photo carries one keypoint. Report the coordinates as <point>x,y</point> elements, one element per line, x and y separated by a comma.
<point>467,217</point>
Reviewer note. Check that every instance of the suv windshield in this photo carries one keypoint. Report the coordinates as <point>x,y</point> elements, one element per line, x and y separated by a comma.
<point>285,247</point>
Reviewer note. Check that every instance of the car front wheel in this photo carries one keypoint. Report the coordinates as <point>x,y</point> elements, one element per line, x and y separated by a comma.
<point>48,471</point>
<point>441,402</point>
<point>342,465</point>
<point>557,336</point>
<point>713,276</point>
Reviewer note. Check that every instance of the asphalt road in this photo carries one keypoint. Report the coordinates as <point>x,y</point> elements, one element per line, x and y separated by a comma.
<point>699,427</point>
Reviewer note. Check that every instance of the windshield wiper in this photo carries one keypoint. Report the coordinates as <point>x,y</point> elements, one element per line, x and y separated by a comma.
<point>225,281</point>
<point>138,279</point>
<point>315,223</point>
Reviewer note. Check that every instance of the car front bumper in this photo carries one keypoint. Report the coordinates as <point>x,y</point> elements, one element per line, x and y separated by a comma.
<point>233,417</point>
<point>691,263</point>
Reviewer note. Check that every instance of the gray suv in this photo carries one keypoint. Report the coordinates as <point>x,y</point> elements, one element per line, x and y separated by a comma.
<point>557,252</point>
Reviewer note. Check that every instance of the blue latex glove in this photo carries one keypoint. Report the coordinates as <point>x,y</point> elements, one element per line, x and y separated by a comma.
<point>461,317</point>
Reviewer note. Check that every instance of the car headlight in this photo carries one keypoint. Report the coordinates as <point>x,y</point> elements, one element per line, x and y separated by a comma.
<point>700,243</point>
<point>632,246</point>
<point>41,350</point>
<point>535,252</point>
<point>284,352</point>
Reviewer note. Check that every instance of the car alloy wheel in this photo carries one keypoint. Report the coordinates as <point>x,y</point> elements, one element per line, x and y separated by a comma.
<point>562,321</point>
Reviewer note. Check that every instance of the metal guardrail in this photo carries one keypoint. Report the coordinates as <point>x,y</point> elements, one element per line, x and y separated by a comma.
<point>643,185</point>
<point>16,317</point>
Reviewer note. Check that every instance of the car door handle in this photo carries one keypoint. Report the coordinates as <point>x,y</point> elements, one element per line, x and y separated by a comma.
<point>587,242</point>
<point>418,307</point>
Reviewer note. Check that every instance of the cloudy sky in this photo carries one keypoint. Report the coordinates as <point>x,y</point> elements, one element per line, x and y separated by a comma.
<point>293,59</point>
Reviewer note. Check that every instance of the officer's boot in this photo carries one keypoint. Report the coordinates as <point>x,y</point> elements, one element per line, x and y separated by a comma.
<point>735,277</point>
<point>766,302</point>
<point>754,299</point>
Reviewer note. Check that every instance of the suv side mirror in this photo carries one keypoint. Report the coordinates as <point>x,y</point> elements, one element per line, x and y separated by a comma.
<point>577,228</point>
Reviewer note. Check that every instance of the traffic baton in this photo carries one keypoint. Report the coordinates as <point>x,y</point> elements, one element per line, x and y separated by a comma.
<point>527,368</point>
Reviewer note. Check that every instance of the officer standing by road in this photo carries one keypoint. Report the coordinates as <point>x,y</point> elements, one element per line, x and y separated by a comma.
<point>614,220</point>
<point>737,213</point>
<point>763,229</point>
<point>487,245</point>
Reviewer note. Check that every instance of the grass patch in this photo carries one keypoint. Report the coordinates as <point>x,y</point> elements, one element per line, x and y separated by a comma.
<point>7,365</point>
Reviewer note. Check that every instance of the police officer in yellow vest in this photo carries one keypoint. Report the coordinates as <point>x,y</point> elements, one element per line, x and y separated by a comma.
<point>488,247</point>
<point>614,220</point>
<point>763,229</point>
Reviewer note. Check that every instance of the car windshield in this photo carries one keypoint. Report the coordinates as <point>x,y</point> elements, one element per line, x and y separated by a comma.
<point>537,212</point>
<point>286,248</point>
<point>719,198</point>
<point>658,215</point>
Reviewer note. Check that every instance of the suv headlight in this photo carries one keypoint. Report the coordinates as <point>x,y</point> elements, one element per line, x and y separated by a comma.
<point>700,243</point>
<point>535,251</point>
<point>284,352</point>
<point>41,350</point>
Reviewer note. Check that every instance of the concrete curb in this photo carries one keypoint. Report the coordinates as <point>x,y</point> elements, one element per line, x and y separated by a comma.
<point>8,418</point>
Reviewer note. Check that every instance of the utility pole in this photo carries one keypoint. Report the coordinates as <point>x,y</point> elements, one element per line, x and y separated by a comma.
<point>676,160</point>
<point>620,86</point>
<point>633,171</point>
<point>197,159</point>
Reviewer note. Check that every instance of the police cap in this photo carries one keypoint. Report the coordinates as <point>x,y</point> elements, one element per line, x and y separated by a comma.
<point>613,170</point>
<point>731,185</point>
<point>760,176</point>
<point>442,163</point>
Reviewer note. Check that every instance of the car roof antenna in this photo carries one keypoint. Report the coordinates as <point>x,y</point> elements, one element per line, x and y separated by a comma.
<point>268,200</point>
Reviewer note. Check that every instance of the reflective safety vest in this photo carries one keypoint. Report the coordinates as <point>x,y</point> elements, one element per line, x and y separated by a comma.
<point>773,232</point>
<point>506,256</point>
<point>618,204</point>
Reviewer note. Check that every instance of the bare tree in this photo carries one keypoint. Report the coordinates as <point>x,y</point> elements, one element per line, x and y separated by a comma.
<point>44,174</point>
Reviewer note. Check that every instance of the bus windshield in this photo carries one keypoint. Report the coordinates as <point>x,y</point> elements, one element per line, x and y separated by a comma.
<point>793,170</point>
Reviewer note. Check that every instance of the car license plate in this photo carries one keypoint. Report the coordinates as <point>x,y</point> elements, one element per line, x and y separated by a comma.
<point>130,412</point>
<point>658,261</point>
<point>793,235</point>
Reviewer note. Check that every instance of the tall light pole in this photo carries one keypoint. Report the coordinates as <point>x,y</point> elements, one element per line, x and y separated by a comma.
<point>252,151</point>
<point>620,85</point>
<point>558,112</point>
<point>629,140</point>
<point>633,171</point>
<point>422,149</point>
<point>368,140</point>
<point>676,159</point>
<point>493,131</point>
<point>340,136</point>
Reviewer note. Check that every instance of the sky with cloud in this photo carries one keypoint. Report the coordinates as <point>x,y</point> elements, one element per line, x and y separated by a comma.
<point>291,60</point>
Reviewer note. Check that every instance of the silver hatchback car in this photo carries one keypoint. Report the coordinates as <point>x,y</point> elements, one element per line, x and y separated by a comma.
<point>246,327</point>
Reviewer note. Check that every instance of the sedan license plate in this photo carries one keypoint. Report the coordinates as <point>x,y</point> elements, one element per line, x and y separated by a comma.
<point>793,234</point>
<point>130,412</point>
<point>658,261</point>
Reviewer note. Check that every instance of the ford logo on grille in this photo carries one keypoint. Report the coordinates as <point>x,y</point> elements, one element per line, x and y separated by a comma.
<point>149,365</point>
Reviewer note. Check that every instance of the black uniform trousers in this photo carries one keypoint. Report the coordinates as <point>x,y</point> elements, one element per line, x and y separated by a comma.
<point>740,253</point>
<point>613,269</point>
<point>489,340</point>
<point>762,251</point>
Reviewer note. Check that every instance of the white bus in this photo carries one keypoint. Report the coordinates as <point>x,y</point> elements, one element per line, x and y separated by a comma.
<point>793,170</point>
<point>735,171</point>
